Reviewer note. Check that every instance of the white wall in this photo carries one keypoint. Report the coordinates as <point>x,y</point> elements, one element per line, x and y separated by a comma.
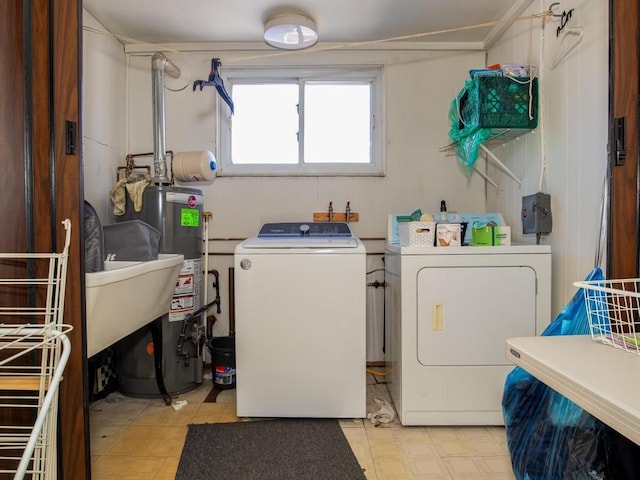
<point>572,137</point>
<point>419,86</point>
<point>104,120</point>
<point>419,89</point>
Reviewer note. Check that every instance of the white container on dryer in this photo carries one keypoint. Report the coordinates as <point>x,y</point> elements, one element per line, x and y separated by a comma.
<point>449,312</point>
<point>300,304</point>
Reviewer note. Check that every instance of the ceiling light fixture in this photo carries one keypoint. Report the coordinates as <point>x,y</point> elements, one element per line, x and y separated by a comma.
<point>291,32</point>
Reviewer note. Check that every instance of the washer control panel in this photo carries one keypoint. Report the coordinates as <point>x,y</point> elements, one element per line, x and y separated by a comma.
<point>302,229</point>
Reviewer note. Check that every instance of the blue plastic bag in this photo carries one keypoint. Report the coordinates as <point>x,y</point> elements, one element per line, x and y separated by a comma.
<point>550,437</point>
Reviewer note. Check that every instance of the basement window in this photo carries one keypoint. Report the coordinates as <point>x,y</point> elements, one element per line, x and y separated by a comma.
<point>302,121</point>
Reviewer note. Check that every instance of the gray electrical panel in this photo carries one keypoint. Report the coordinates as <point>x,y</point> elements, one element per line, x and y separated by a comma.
<point>536,213</point>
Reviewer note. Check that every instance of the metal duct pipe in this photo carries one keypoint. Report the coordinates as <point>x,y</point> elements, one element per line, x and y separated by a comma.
<point>160,65</point>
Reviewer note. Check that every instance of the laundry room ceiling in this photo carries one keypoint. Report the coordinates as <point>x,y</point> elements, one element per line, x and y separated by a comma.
<point>342,21</point>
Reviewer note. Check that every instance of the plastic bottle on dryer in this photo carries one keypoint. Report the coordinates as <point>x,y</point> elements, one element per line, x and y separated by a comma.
<point>443,217</point>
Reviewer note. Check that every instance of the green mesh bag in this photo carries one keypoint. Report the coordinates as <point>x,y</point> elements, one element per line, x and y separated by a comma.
<point>466,136</point>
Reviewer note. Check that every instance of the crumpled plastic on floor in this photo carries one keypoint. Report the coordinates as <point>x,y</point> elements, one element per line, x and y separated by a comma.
<point>386,413</point>
<point>114,397</point>
<point>178,404</point>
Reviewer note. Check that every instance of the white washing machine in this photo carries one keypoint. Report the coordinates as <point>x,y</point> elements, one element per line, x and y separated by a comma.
<point>449,312</point>
<point>300,291</point>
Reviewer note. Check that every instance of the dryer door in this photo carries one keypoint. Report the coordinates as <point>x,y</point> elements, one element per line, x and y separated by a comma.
<point>465,314</point>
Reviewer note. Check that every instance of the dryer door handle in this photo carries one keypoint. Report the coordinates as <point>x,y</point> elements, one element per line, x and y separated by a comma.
<point>437,318</point>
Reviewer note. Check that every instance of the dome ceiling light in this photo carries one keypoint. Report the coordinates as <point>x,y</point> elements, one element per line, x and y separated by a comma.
<point>291,32</point>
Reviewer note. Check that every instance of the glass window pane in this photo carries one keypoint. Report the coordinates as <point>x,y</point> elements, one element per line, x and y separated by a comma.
<point>337,123</point>
<point>265,124</point>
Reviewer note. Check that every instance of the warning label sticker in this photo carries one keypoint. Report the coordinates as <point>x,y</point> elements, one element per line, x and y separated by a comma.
<point>184,285</point>
<point>186,297</point>
<point>181,307</point>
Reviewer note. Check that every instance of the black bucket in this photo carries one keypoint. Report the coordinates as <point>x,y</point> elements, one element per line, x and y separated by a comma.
<point>223,361</point>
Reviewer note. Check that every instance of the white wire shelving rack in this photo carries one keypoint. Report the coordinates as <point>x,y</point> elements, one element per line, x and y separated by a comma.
<point>34,350</point>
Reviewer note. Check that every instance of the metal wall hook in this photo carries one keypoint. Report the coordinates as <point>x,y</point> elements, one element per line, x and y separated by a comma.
<point>564,17</point>
<point>554,4</point>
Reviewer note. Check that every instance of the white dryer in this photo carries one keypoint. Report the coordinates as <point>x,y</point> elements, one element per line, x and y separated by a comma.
<point>300,292</point>
<point>449,312</point>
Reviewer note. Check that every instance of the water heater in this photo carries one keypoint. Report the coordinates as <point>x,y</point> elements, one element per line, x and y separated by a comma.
<point>177,213</point>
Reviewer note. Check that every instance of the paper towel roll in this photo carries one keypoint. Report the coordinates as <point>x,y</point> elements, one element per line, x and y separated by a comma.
<point>194,166</point>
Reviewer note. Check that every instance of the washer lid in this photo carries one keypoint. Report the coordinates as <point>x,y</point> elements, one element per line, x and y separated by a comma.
<point>304,230</point>
<point>303,235</point>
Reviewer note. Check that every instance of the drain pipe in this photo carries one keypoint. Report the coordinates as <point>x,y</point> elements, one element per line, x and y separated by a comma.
<point>160,65</point>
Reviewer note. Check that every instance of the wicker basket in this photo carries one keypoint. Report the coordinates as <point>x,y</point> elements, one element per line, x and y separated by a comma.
<point>417,234</point>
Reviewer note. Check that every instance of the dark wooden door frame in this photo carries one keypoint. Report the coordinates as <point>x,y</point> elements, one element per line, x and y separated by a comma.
<point>67,199</point>
<point>623,246</point>
<point>42,177</point>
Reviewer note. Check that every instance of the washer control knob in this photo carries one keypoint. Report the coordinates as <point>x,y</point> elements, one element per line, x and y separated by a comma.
<point>245,264</point>
<point>304,229</point>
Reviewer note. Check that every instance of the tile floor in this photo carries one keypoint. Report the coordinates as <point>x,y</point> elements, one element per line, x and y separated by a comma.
<point>137,439</point>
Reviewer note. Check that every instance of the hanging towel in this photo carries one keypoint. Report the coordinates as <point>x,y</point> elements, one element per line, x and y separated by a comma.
<point>136,189</point>
<point>118,199</point>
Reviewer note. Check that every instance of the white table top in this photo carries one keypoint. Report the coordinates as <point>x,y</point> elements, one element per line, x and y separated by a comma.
<point>603,380</point>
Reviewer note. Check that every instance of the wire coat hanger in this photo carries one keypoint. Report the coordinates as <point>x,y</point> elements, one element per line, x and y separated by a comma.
<point>572,36</point>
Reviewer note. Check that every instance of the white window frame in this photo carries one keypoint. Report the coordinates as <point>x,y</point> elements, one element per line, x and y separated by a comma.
<point>347,74</point>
